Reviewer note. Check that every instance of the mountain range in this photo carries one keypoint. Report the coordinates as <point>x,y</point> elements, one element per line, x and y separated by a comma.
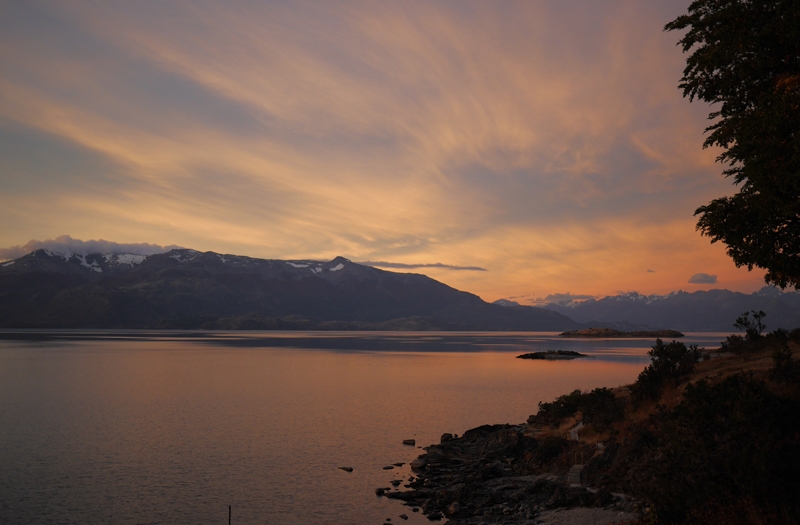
<point>185,288</point>
<point>710,311</point>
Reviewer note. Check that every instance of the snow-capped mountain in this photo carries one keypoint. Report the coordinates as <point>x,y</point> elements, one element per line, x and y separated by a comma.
<point>712,310</point>
<point>190,289</point>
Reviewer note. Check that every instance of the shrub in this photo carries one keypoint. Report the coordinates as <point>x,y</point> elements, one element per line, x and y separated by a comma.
<point>599,407</point>
<point>724,443</point>
<point>734,343</point>
<point>550,448</point>
<point>785,369</point>
<point>668,363</point>
<point>752,340</point>
<point>752,327</point>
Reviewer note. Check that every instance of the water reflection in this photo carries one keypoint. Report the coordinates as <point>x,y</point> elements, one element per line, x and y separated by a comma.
<point>172,427</point>
<point>523,342</point>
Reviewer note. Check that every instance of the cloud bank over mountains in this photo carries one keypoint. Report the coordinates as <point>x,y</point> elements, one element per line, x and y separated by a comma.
<point>64,244</point>
<point>561,298</point>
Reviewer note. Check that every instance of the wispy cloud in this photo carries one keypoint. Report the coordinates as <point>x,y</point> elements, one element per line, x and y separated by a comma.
<point>384,264</point>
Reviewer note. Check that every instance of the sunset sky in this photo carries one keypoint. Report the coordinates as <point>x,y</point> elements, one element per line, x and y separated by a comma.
<point>542,145</point>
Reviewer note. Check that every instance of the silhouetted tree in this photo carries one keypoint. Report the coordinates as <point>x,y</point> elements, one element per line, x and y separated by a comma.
<point>668,362</point>
<point>745,58</point>
<point>752,327</point>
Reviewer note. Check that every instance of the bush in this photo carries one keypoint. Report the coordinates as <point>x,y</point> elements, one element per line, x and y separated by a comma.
<point>785,369</point>
<point>752,327</point>
<point>735,344</point>
<point>669,362</point>
<point>599,407</point>
<point>752,340</point>
<point>723,444</point>
<point>550,448</point>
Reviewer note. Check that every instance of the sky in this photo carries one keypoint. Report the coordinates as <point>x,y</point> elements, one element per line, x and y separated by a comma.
<point>510,149</point>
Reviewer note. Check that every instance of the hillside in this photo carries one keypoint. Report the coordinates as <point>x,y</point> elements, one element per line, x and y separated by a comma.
<point>189,289</point>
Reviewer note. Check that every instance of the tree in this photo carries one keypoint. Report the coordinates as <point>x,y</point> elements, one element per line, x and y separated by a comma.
<point>752,327</point>
<point>745,58</point>
<point>668,362</point>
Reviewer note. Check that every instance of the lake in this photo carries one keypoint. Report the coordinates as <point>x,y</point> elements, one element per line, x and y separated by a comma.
<point>173,427</point>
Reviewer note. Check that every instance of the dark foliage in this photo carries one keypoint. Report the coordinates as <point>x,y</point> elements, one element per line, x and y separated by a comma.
<point>785,369</point>
<point>669,362</point>
<point>736,344</point>
<point>745,59</point>
<point>752,340</point>
<point>600,407</point>
<point>752,327</point>
<point>550,448</point>
<point>725,444</point>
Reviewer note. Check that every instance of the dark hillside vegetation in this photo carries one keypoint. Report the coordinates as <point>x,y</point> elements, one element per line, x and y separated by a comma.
<point>699,442</point>
<point>701,437</point>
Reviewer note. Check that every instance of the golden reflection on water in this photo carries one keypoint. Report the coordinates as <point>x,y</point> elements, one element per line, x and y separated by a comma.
<point>124,429</point>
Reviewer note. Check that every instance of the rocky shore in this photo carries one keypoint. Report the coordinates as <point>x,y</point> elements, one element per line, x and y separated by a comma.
<point>693,440</point>
<point>488,476</point>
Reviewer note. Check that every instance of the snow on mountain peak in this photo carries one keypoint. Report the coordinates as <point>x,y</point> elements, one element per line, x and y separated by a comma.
<point>92,266</point>
<point>131,259</point>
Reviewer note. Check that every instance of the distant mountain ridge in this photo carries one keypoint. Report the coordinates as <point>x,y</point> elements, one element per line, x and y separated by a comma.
<point>709,311</point>
<point>184,288</point>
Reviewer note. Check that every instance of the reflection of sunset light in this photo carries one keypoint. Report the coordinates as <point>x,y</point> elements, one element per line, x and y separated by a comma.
<point>546,144</point>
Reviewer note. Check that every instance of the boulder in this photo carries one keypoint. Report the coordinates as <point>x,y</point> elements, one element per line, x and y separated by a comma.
<point>419,464</point>
<point>453,509</point>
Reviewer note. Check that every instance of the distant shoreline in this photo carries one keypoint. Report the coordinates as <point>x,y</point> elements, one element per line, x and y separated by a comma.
<point>609,332</point>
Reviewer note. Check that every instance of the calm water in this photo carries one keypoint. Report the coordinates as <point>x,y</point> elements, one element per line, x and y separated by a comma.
<point>131,427</point>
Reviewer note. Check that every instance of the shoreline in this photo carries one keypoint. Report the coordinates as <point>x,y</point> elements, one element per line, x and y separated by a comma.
<point>484,477</point>
<point>611,333</point>
<point>596,458</point>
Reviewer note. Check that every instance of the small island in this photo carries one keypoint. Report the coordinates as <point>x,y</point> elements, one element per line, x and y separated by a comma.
<point>610,332</point>
<point>553,355</point>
